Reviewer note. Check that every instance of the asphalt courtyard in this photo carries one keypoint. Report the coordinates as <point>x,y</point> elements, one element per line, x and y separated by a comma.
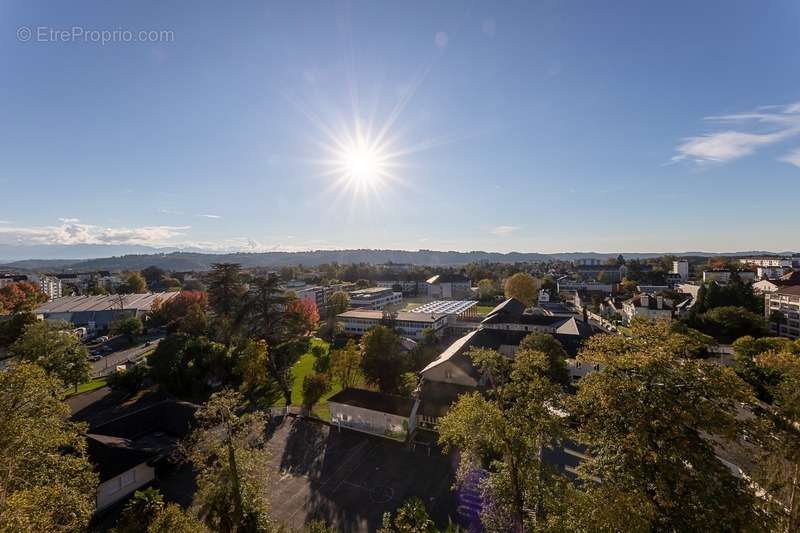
<point>349,479</point>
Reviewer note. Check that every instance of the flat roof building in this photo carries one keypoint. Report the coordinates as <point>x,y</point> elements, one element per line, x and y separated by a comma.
<point>98,312</point>
<point>413,325</point>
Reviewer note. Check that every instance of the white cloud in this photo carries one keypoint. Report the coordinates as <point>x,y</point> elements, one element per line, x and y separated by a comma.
<point>5,222</point>
<point>783,122</point>
<point>68,220</point>
<point>75,233</point>
<point>793,157</point>
<point>503,230</point>
<point>209,216</point>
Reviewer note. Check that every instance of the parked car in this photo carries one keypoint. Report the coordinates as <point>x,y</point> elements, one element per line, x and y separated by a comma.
<point>107,349</point>
<point>95,357</point>
<point>104,338</point>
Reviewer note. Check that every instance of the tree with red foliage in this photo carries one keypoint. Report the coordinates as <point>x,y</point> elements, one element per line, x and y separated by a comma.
<point>307,310</point>
<point>20,296</point>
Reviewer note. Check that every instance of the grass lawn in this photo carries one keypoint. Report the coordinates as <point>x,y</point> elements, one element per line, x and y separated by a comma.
<point>97,383</point>
<point>484,309</point>
<point>305,366</point>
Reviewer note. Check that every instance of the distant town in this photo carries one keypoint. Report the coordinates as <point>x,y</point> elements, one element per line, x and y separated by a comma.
<point>480,396</point>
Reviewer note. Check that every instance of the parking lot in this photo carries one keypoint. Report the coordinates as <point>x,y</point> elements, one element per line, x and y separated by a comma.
<point>350,479</point>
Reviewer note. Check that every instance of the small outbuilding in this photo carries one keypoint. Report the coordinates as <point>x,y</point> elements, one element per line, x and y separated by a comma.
<point>385,415</point>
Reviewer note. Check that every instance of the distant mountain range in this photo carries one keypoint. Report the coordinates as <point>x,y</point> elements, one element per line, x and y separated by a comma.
<point>89,257</point>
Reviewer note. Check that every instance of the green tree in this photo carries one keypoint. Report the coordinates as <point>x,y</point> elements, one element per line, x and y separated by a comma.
<point>53,347</point>
<point>315,385</point>
<point>173,519</point>
<point>486,289</point>
<point>382,361</point>
<point>129,327</point>
<point>728,323</point>
<point>339,301</point>
<point>411,517</point>
<point>185,365</point>
<point>251,367</point>
<point>266,315</point>
<point>225,288</point>
<point>523,287</point>
<point>556,355</point>
<point>134,284</point>
<point>232,465</point>
<point>154,277</point>
<point>345,364</point>
<point>645,418</point>
<point>507,432</point>
<point>779,467</point>
<point>46,481</point>
<point>140,511</point>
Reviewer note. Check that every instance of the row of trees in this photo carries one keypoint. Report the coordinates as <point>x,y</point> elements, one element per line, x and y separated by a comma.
<point>648,419</point>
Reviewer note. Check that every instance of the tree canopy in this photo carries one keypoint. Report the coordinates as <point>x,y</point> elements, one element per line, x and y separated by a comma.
<point>46,481</point>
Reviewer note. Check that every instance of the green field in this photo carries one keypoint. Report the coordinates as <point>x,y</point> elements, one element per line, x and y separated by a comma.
<point>94,384</point>
<point>484,309</point>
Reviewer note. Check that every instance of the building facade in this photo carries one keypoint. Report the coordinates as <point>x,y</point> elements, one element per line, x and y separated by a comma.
<point>375,298</point>
<point>782,311</point>
<point>412,325</point>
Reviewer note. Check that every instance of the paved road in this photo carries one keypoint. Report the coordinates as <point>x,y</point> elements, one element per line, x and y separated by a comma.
<point>109,363</point>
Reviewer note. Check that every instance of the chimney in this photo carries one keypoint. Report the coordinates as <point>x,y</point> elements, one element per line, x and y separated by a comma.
<point>660,302</point>
<point>645,299</point>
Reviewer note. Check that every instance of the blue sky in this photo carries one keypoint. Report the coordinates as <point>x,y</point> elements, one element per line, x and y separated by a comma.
<point>528,126</point>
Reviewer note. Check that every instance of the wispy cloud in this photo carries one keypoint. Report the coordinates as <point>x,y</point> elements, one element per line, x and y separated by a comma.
<point>209,216</point>
<point>503,230</point>
<point>754,130</point>
<point>5,222</point>
<point>793,157</point>
<point>70,231</point>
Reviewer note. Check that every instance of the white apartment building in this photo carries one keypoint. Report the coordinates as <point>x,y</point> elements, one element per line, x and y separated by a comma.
<point>782,311</point>
<point>770,272</point>
<point>375,298</point>
<point>51,286</point>
<point>681,267</point>
<point>767,261</point>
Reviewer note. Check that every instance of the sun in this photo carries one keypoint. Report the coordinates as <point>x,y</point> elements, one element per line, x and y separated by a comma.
<point>362,165</point>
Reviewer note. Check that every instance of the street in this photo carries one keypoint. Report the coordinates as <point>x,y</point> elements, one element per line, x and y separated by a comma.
<point>109,363</point>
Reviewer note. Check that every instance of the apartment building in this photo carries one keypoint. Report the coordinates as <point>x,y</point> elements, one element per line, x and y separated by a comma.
<point>782,311</point>
<point>767,261</point>
<point>681,268</point>
<point>51,286</point>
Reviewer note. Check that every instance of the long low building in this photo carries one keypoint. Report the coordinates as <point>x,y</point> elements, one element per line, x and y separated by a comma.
<point>98,312</point>
<point>359,321</point>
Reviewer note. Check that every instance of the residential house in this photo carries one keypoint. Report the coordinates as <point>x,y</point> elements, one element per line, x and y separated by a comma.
<point>772,285</point>
<point>127,452</point>
<point>649,306</point>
